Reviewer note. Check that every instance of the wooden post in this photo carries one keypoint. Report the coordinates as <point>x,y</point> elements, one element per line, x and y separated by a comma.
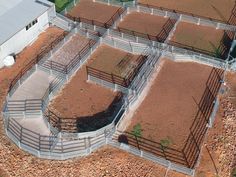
<point>185,158</point>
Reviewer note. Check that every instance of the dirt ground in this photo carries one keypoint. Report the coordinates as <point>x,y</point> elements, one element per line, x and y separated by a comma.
<point>28,54</point>
<point>113,61</point>
<point>172,102</point>
<point>93,11</point>
<point>216,9</point>
<point>80,98</point>
<point>143,23</point>
<point>70,49</point>
<point>219,149</point>
<point>106,162</point>
<point>201,38</point>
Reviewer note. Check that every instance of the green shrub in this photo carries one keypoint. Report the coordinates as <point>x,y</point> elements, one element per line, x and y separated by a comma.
<point>137,130</point>
<point>61,4</point>
<point>165,143</point>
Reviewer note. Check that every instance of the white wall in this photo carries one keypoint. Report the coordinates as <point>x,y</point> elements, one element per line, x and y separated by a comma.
<point>23,38</point>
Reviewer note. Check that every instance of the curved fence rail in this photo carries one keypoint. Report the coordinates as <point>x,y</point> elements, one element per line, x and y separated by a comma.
<point>74,125</point>
<point>51,146</point>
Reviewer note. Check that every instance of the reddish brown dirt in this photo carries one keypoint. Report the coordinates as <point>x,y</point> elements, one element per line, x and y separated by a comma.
<point>106,162</point>
<point>143,23</point>
<point>217,153</point>
<point>216,9</point>
<point>80,98</point>
<point>27,55</point>
<point>208,157</point>
<point>198,37</point>
<point>93,11</point>
<point>171,104</point>
<point>231,81</point>
<point>175,174</point>
<point>113,61</point>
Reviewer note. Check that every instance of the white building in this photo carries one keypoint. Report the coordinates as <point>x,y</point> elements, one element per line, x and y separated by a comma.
<point>21,21</point>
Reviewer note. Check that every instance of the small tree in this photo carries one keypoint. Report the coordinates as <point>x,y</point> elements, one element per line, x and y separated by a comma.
<point>137,132</point>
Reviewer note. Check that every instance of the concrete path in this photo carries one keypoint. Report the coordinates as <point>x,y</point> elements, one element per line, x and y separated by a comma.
<point>34,87</point>
<point>35,124</point>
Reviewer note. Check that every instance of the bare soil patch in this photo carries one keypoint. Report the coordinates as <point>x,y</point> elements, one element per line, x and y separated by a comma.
<point>93,11</point>
<point>170,107</point>
<point>113,61</point>
<point>90,104</point>
<point>143,23</point>
<point>216,9</point>
<point>203,39</point>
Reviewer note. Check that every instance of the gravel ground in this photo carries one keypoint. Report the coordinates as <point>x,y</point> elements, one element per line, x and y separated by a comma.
<point>70,49</point>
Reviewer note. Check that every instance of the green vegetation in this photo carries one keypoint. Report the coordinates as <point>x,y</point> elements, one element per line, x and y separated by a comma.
<point>60,4</point>
<point>165,143</point>
<point>137,132</point>
<point>218,53</point>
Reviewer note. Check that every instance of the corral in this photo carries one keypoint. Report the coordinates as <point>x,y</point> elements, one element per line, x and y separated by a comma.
<point>114,65</point>
<point>147,26</point>
<point>175,111</point>
<point>203,39</point>
<point>215,9</point>
<point>177,101</point>
<point>71,49</point>
<point>88,105</point>
<point>84,12</point>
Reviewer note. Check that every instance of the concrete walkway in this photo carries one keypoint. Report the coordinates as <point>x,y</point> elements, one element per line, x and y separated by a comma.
<point>34,87</point>
<point>37,125</point>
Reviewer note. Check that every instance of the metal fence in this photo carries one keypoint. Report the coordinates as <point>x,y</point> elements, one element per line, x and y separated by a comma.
<point>118,3</point>
<point>34,61</point>
<point>79,124</point>
<point>115,79</point>
<point>52,66</point>
<point>177,53</point>
<point>109,23</point>
<point>220,52</point>
<point>189,154</point>
<point>30,108</point>
<point>160,37</point>
<point>185,16</point>
<point>149,156</point>
<point>115,37</point>
<point>51,146</point>
<point>69,6</point>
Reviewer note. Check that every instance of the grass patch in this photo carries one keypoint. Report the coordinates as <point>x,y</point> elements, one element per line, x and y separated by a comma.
<point>60,4</point>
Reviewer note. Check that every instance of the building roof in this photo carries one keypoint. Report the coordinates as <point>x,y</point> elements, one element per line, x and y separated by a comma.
<point>17,14</point>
